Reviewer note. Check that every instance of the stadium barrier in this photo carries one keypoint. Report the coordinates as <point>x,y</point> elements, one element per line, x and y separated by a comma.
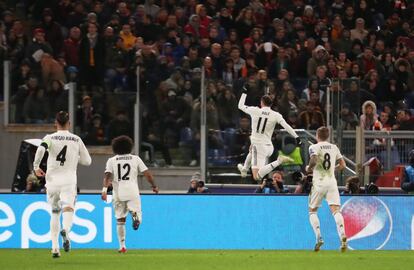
<point>214,222</point>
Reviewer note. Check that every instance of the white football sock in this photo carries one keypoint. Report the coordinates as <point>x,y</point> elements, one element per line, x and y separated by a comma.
<point>339,220</point>
<point>247,162</point>
<point>314,221</point>
<point>54,230</point>
<point>120,230</point>
<point>67,221</point>
<point>265,170</point>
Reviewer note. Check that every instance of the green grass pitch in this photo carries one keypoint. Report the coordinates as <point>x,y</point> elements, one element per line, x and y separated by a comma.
<point>202,259</point>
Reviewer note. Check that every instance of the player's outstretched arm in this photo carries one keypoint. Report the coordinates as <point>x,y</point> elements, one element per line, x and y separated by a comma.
<point>84,157</point>
<point>40,152</point>
<point>106,182</point>
<point>242,102</point>
<point>290,130</point>
<point>150,178</point>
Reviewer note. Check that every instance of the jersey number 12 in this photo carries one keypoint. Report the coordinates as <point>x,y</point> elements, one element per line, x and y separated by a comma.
<point>263,127</point>
<point>126,167</point>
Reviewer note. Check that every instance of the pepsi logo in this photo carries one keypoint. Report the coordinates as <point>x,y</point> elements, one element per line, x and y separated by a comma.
<point>368,222</point>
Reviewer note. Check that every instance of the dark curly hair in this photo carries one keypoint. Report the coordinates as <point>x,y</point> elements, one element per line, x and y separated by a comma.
<point>122,145</point>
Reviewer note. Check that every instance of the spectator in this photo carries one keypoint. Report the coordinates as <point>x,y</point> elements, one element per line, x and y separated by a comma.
<point>311,118</point>
<point>359,32</point>
<point>195,28</point>
<point>407,183</point>
<point>369,62</point>
<point>313,86</point>
<point>96,132</point>
<point>369,115</point>
<point>33,184</point>
<point>35,108</point>
<point>71,47</point>
<point>404,121</point>
<point>51,70</point>
<point>128,38</point>
<point>53,32</point>
<point>19,99</point>
<point>57,98</point>
<point>386,121</point>
<point>229,73</point>
<point>282,61</point>
<point>352,185</point>
<point>38,47</point>
<point>227,108</point>
<point>195,178</point>
<point>119,126</point>
<point>274,185</point>
<point>21,77</point>
<point>238,62</point>
<point>201,187</point>
<point>349,120</point>
<point>288,103</point>
<point>175,113</point>
<point>92,57</point>
<point>117,64</point>
<point>319,58</point>
<point>84,114</point>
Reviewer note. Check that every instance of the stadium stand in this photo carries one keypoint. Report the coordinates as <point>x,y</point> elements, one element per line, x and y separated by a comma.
<point>363,51</point>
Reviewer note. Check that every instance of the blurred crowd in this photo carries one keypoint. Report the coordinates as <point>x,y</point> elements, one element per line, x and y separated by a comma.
<point>362,51</point>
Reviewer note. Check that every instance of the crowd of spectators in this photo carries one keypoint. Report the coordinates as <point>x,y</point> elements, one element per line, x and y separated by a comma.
<point>291,50</point>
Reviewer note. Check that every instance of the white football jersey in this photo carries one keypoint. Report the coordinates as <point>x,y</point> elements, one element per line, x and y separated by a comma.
<point>65,150</point>
<point>264,121</point>
<point>125,170</point>
<point>324,171</point>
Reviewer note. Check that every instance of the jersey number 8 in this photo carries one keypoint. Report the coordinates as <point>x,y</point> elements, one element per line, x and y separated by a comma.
<point>326,164</point>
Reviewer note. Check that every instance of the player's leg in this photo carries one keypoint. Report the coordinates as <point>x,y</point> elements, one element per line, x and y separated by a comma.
<point>315,199</point>
<point>134,207</point>
<point>244,168</point>
<point>259,158</point>
<point>53,200</point>
<point>265,170</point>
<point>334,202</point>
<point>121,212</point>
<point>68,198</point>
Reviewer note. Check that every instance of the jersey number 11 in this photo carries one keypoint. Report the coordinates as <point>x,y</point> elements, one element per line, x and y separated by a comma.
<point>263,127</point>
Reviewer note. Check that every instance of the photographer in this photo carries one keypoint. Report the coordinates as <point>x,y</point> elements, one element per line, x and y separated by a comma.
<point>352,186</point>
<point>408,181</point>
<point>304,184</point>
<point>274,185</point>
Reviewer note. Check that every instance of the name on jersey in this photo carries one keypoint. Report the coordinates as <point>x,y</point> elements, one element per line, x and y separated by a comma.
<point>325,147</point>
<point>64,138</point>
<point>266,113</point>
<point>124,158</point>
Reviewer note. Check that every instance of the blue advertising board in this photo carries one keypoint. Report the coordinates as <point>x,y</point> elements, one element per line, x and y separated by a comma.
<point>214,222</point>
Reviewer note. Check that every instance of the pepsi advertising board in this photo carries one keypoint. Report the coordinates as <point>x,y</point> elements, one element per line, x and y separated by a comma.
<point>214,222</point>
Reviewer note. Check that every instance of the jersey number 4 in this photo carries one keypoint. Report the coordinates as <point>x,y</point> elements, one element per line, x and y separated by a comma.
<point>126,167</point>
<point>62,155</point>
<point>262,127</point>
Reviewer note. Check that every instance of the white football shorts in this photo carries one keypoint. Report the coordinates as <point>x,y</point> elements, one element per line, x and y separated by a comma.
<point>122,208</point>
<point>261,154</point>
<point>320,192</point>
<point>61,197</point>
